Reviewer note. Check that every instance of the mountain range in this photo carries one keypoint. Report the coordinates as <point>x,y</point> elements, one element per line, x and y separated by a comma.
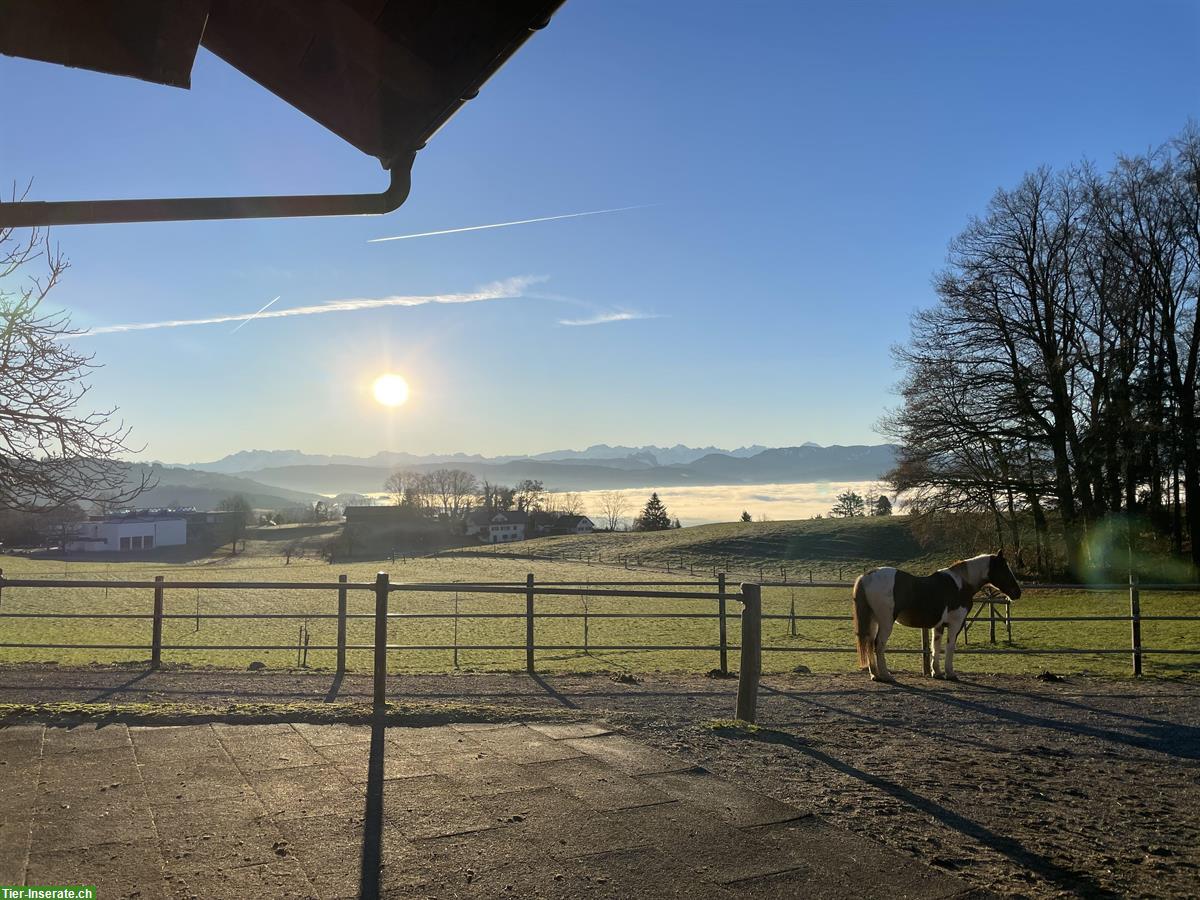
<point>253,460</point>
<point>292,476</point>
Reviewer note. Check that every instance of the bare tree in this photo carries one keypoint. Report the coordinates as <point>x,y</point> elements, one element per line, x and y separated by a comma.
<point>454,490</point>
<point>613,507</point>
<point>567,504</point>
<point>52,451</point>
<point>530,495</point>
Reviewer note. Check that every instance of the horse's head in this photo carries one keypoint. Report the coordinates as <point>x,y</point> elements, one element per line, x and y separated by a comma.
<point>1001,577</point>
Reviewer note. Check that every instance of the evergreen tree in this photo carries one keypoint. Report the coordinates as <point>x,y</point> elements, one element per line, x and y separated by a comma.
<point>654,516</point>
<point>745,516</point>
<point>850,504</point>
<point>882,506</point>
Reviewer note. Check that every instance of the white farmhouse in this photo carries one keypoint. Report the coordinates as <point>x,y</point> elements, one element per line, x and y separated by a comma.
<point>117,534</point>
<point>497,527</point>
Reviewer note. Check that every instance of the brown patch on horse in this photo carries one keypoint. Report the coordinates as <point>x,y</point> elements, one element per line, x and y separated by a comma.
<point>922,601</point>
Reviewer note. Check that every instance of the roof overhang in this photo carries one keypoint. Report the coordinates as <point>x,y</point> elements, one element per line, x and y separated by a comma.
<point>384,75</point>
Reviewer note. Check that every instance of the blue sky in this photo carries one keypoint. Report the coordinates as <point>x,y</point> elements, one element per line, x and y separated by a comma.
<point>807,164</point>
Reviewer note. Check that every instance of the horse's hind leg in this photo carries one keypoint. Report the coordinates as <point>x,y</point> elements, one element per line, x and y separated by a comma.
<point>881,672</point>
<point>872,633</point>
<point>955,620</point>
<point>938,631</point>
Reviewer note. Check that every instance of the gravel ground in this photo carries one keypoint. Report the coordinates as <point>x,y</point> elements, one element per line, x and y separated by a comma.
<point>1081,786</point>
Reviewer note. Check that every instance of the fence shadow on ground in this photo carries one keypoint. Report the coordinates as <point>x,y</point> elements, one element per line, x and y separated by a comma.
<point>1182,741</point>
<point>372,846</point>
<point>1079,883</point>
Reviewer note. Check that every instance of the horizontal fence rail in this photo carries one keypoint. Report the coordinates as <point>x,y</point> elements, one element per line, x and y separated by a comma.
<point>713,592</point>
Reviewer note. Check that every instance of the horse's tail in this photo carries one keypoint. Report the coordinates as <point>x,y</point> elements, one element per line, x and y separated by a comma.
<point>862,623</point>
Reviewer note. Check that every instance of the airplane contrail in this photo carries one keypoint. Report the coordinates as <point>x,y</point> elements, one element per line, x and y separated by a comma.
<point>594,212</point>
<point>242,323</point>
<point>507,289</point>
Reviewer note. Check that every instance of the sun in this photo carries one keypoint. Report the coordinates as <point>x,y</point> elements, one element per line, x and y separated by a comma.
<point>390,389</point>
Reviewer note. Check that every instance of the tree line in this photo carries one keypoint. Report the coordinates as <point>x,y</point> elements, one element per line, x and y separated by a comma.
<point>455,493</point>
<point>1055,380</point>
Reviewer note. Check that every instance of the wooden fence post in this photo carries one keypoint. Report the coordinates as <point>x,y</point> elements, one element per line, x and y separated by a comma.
<point>751,665</point>
<point>992,620</point>
<point>381,635</point>
<point>341,627</point>
<point>724,640</point>
<point>1135,622</point>
<point>529,623</point>
<point>156,630</point>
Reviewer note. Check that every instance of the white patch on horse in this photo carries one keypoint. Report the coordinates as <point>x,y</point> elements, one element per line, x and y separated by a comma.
<point>977,570</point>
<point>880,587</point>
<point>949,570</point>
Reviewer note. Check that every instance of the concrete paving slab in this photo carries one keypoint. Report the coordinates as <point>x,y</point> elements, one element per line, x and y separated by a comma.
<point>598,785</point>
<point>171,744</point>
<point>715,849</point>
<point>82,822</point>
<point>477,812</point>
<point>700,788</point>
<point>353,761</point>
<point>645,873</point>
<point>562,826</point>
<point>843,857</point>
<point>20,742</point>
<point>215,835</point>
<point>20,780</point>
<point>329,735</point>
<point>278,750</point>
<point>307,791</point>
<point>521,744</point>
<point>329,850</point>
<point>627,755</point>
<point>484,774</point>
<point>14,848</point>
<point>282,879</point>
<point>435,740</point>
<point>83,774</point>
<point>82,738</point>
<point>571,730</point>
<point>119,869</point>
<point>431,806</point>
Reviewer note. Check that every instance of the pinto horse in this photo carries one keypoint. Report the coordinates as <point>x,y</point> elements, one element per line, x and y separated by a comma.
<point>937,602</point>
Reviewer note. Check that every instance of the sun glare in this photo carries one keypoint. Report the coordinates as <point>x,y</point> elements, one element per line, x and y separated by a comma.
<point>390,390</point>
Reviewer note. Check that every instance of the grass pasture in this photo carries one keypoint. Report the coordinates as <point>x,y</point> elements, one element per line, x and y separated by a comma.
<point>832,635</point>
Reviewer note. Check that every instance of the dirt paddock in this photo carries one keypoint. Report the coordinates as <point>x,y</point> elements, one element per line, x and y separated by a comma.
<point>1078,787</point>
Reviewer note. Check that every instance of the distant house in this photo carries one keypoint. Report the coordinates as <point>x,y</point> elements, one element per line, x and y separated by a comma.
<point>494,527</point>
<point>134,530</point>
<point>129,533</point>
<point>574,525</point>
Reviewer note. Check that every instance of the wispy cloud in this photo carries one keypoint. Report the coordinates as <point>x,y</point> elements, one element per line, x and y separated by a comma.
<point>593,212</point>
<point>242,324</point>
<point>507,289</point>
<point>605,318</point>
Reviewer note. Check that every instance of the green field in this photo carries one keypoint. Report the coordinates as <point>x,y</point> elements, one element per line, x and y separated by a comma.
<point>261,564</point>
<point>825,549</point>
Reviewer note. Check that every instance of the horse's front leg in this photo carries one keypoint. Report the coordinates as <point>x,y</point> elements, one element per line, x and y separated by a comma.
<point>954,622</point>
<point>938,632</point>
<point>881,672</point>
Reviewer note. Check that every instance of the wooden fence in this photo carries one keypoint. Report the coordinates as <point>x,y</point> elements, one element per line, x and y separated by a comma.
<point>715,592</point>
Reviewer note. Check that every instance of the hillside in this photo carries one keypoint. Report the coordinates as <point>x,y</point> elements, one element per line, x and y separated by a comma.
<point>823,547</point>
<point>176,486</point>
